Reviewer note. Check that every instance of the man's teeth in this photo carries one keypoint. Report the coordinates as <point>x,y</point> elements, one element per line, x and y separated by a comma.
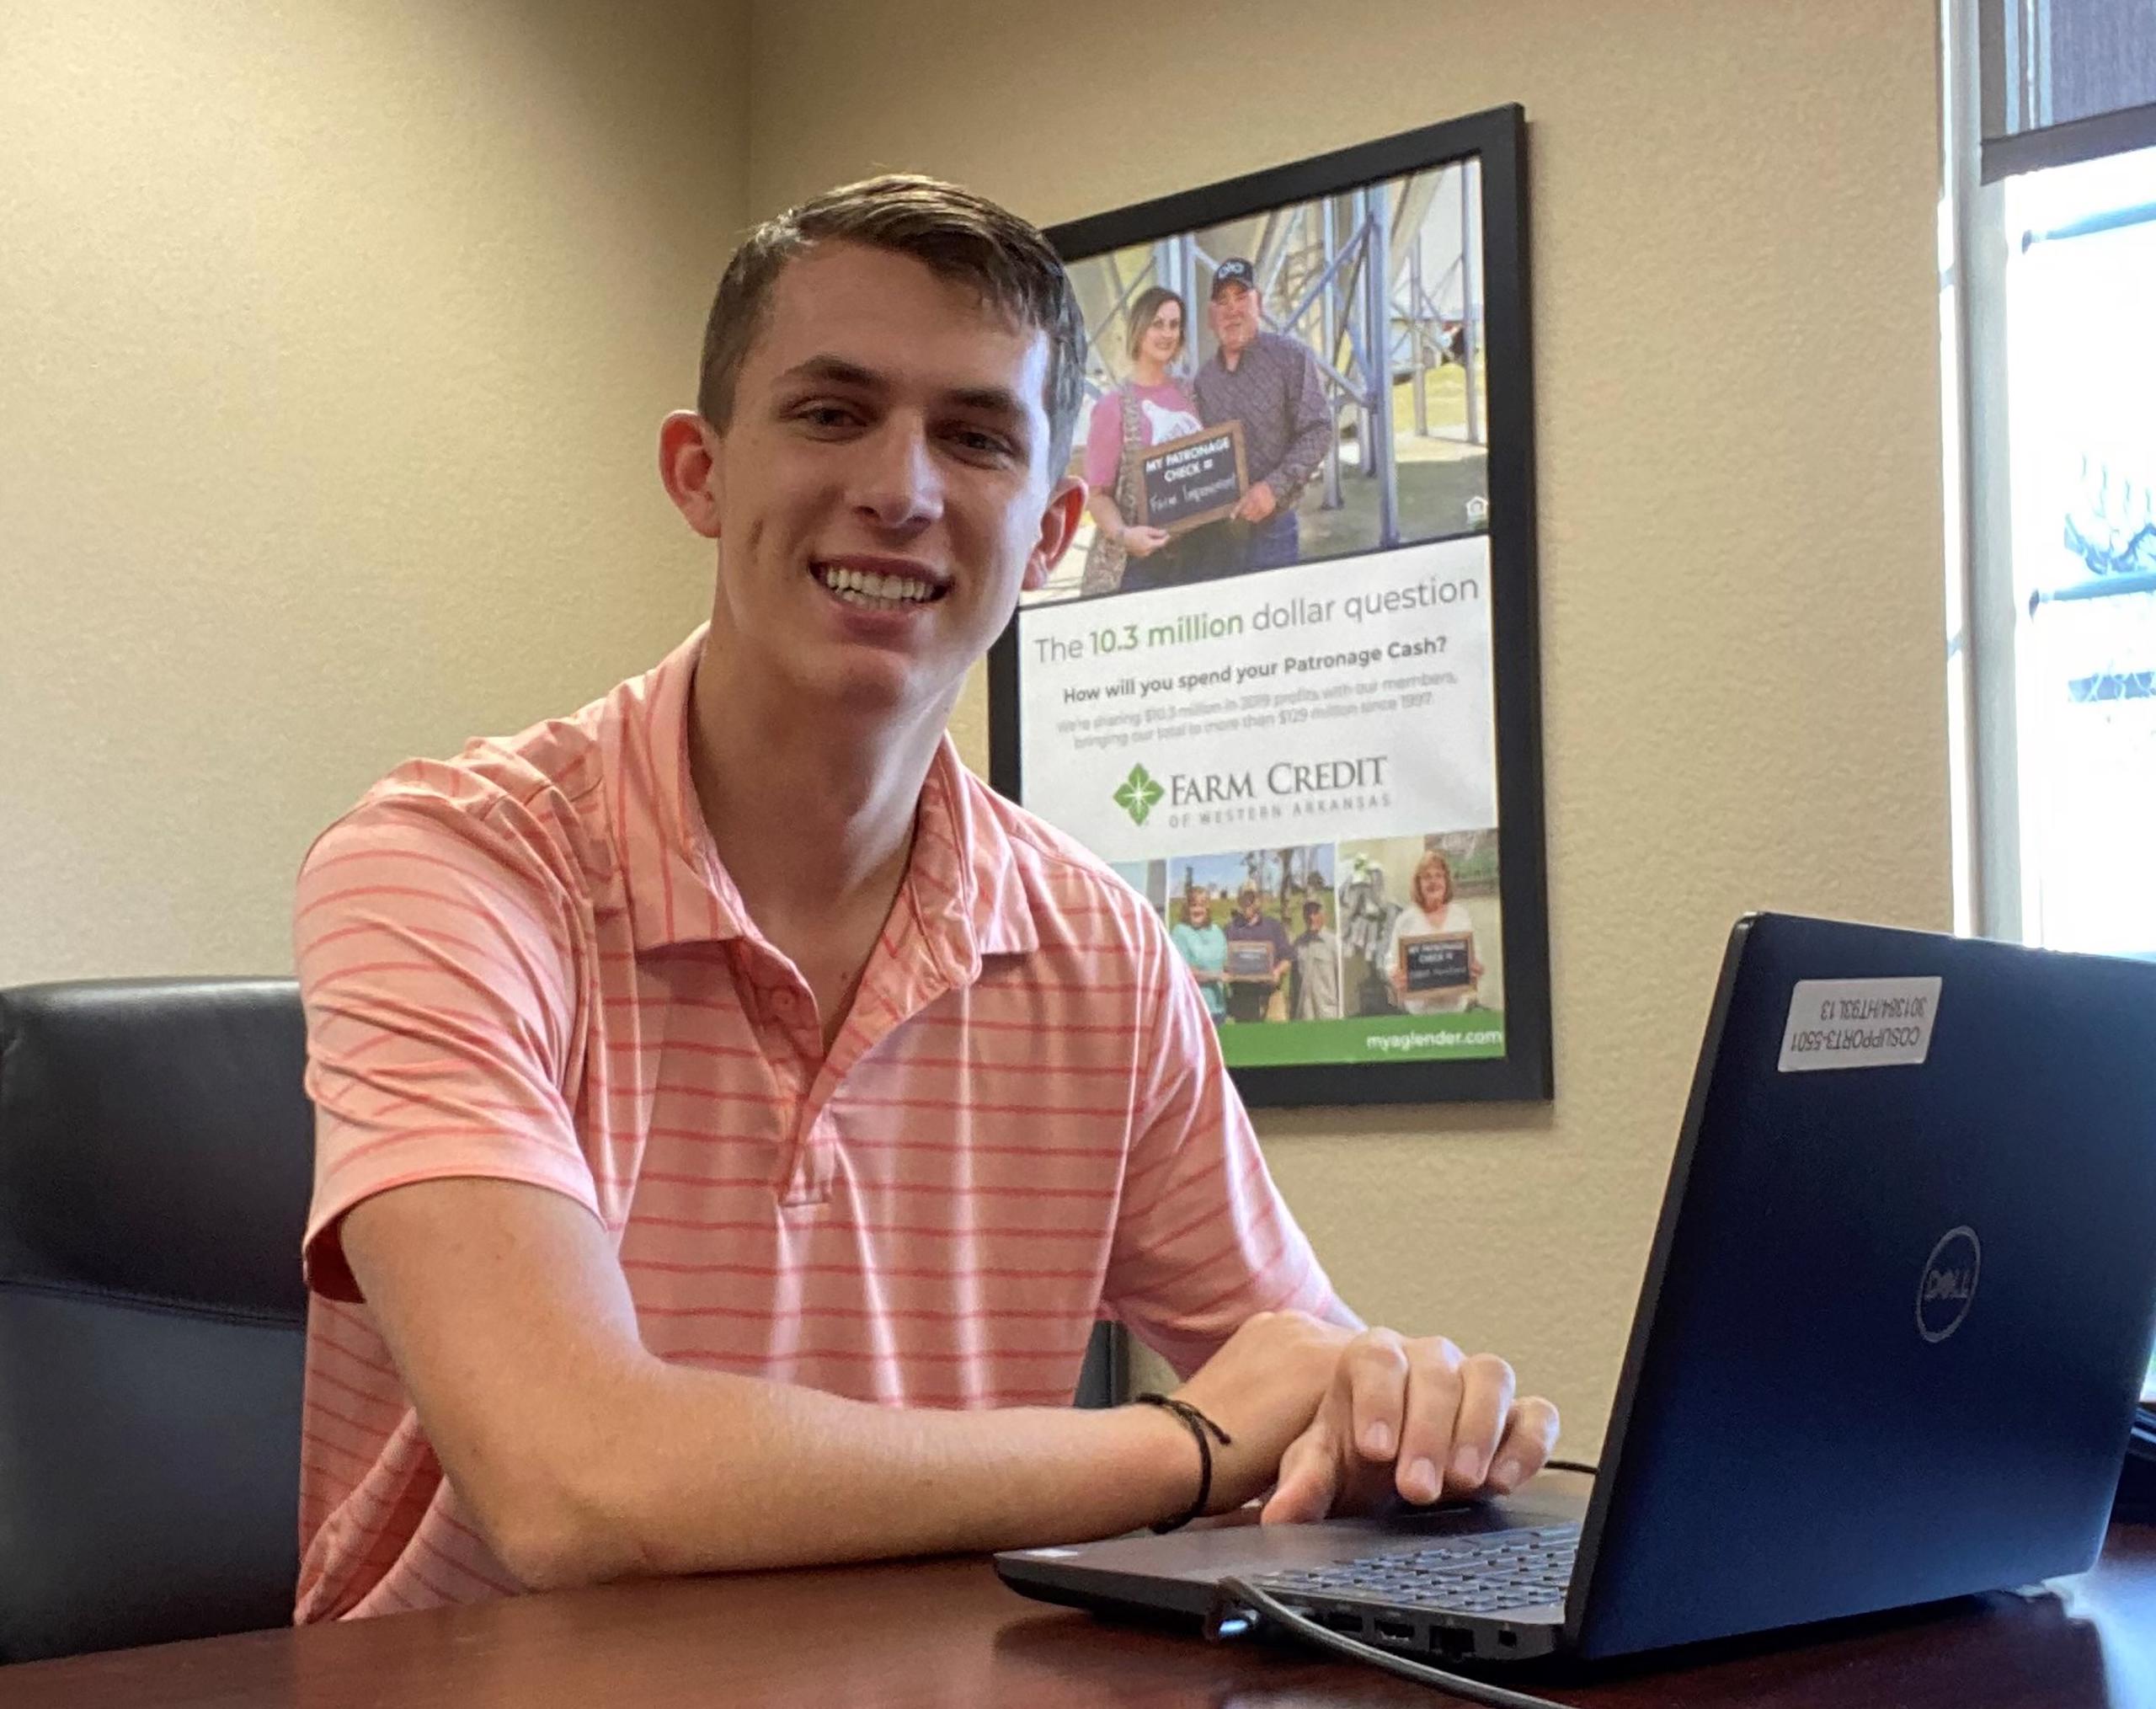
<point>863,587</point>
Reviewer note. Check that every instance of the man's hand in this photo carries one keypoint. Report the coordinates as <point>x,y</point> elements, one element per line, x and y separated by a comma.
<point>1263,1387</point>
<point>1419,1418</point>
<point>1256,504</point>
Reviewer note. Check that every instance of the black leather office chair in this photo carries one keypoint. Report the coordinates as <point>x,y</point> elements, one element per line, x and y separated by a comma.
<point>155,1158</point>
<point>156,1155</point>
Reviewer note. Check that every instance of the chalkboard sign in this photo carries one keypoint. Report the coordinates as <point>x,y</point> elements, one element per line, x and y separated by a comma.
<point>1196,479</point>
<point>1444,962</point>
<point>1249,958</point>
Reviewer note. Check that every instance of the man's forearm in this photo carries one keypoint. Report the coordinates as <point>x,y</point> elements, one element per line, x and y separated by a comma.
<point>1313,434</point>
<point>712,1472</point>
<point>1304,454</point>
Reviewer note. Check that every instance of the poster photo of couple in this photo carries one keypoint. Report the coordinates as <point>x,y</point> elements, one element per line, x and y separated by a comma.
<point>1298,385</point>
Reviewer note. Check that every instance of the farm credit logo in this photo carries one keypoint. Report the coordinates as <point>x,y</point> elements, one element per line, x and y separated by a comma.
<point>1137,794</point>
<point>1285,778</point>
<point>1141,792</point>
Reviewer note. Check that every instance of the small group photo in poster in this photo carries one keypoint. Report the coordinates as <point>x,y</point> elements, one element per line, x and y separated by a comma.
<point>1285,681</point>
<point>1257,928</point>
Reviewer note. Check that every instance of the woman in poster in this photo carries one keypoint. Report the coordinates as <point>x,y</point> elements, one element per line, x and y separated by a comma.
<point>1203,948</point>
<point>1148,407</point>
<point>1431,910</point>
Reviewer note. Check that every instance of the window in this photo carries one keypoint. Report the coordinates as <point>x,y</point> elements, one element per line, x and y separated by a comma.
<point>2049,278</point>
<point>2081,385</point>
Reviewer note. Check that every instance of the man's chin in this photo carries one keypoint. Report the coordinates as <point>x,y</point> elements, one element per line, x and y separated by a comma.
<point>881,688</point>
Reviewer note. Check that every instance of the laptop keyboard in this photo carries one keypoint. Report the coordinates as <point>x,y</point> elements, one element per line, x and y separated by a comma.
<point>1461,1575</point>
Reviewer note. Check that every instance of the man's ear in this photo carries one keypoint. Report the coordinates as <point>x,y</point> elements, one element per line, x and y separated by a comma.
<point>1059,523</point>
<point>689,469</point>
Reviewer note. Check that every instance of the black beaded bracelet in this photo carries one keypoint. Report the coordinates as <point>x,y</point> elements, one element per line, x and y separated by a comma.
<point>1198,1425</point>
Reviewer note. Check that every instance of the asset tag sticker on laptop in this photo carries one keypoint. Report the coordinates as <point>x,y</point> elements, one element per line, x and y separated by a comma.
<point>1859,1023</point>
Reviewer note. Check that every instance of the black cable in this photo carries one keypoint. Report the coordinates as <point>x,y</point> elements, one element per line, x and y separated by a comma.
<point>1578,1465</point>
<point>1475,1691</point>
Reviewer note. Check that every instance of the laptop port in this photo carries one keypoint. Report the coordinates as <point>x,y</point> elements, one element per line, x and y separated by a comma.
<point>1340,1621</point>
<point>1400,1631</point>
<point>1507,1637</point>
<point>1452,1641</point>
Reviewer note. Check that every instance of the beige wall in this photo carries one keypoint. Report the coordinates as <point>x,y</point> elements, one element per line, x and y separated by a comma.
<point>333,340</point>
<point>1739,451</point>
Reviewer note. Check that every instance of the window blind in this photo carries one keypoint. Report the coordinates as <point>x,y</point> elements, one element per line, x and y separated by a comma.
<point>2065,80</point>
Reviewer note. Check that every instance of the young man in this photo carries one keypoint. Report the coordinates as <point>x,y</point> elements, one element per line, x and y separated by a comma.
<point>732,1116</point>
<point>1271,384</point>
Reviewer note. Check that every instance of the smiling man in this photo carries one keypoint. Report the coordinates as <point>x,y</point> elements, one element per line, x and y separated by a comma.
<point>733,1117</point>
<point>1270,383</point>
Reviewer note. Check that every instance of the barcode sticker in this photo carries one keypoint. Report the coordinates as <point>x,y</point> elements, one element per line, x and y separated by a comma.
<point>1859,1023</point>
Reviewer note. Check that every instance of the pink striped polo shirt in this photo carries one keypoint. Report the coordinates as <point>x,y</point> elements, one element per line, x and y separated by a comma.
<point>527,963</point>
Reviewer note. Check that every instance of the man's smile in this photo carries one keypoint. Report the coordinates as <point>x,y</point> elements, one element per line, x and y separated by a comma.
<point>879,584</point>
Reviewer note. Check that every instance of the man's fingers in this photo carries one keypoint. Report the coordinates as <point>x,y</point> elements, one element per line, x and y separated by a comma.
<point>1310,1476</point>
<point>1433,1396</point>
<point>1485,1403</point>
<point>1528,1440</point>
<point>1375,1369</point>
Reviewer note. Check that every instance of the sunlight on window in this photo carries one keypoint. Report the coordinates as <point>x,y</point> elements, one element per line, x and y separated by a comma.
<point>2081,385</point>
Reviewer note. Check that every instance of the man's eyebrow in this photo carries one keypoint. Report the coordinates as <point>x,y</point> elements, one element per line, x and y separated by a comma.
<point>993,400</point>
<point>838,371</point>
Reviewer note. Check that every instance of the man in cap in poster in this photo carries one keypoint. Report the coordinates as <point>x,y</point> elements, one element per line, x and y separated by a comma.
<point>1315,986</point>
<point>1271,384</point>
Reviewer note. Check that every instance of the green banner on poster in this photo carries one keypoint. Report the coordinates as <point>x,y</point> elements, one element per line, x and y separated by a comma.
<point>1461,1037</point>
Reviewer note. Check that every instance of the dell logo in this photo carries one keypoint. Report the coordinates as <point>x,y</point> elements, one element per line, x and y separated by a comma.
<point>1947,1285</point>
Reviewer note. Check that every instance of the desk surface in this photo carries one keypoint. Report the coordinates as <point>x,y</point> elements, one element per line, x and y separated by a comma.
<point>947,1634</point>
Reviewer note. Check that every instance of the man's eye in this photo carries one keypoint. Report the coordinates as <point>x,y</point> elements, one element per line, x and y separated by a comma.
<point>980,442</point>
<point>824,416</point>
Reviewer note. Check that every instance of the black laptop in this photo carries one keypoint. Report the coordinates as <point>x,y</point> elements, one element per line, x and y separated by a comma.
<point>1887,1350</point>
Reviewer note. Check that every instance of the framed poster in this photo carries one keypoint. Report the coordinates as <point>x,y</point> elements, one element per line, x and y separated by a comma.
<point>1287,681</point>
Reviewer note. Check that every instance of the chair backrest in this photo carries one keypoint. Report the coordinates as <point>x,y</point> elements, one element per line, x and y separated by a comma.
<point>156,1157</point>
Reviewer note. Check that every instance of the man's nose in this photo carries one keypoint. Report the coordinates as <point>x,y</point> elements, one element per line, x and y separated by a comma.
<point>897,483</point>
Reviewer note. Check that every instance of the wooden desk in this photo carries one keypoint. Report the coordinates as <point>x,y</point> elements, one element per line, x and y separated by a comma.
<point>946,1633</point>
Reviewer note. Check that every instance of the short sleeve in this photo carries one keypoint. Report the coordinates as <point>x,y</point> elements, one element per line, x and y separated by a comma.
<point>1104,444</point>
<point>1204,1239</point>
<point>436,964</point>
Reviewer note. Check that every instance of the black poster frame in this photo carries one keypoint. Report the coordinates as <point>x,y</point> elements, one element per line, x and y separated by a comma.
<point>1496,139</point>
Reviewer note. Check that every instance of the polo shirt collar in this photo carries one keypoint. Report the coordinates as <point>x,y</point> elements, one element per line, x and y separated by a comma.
<point>964,876</point>
<point>963,880</point>
<point>677,892</point>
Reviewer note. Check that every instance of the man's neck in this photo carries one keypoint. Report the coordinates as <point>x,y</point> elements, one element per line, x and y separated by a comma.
<point>812,813</point>
<point>1231,360</point>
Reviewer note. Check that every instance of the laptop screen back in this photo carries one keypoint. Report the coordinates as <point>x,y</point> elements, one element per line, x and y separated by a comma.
<point>1900,1302</point>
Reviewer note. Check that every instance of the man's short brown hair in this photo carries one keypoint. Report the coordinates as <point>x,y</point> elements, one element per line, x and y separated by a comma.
<point>956,234</point>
